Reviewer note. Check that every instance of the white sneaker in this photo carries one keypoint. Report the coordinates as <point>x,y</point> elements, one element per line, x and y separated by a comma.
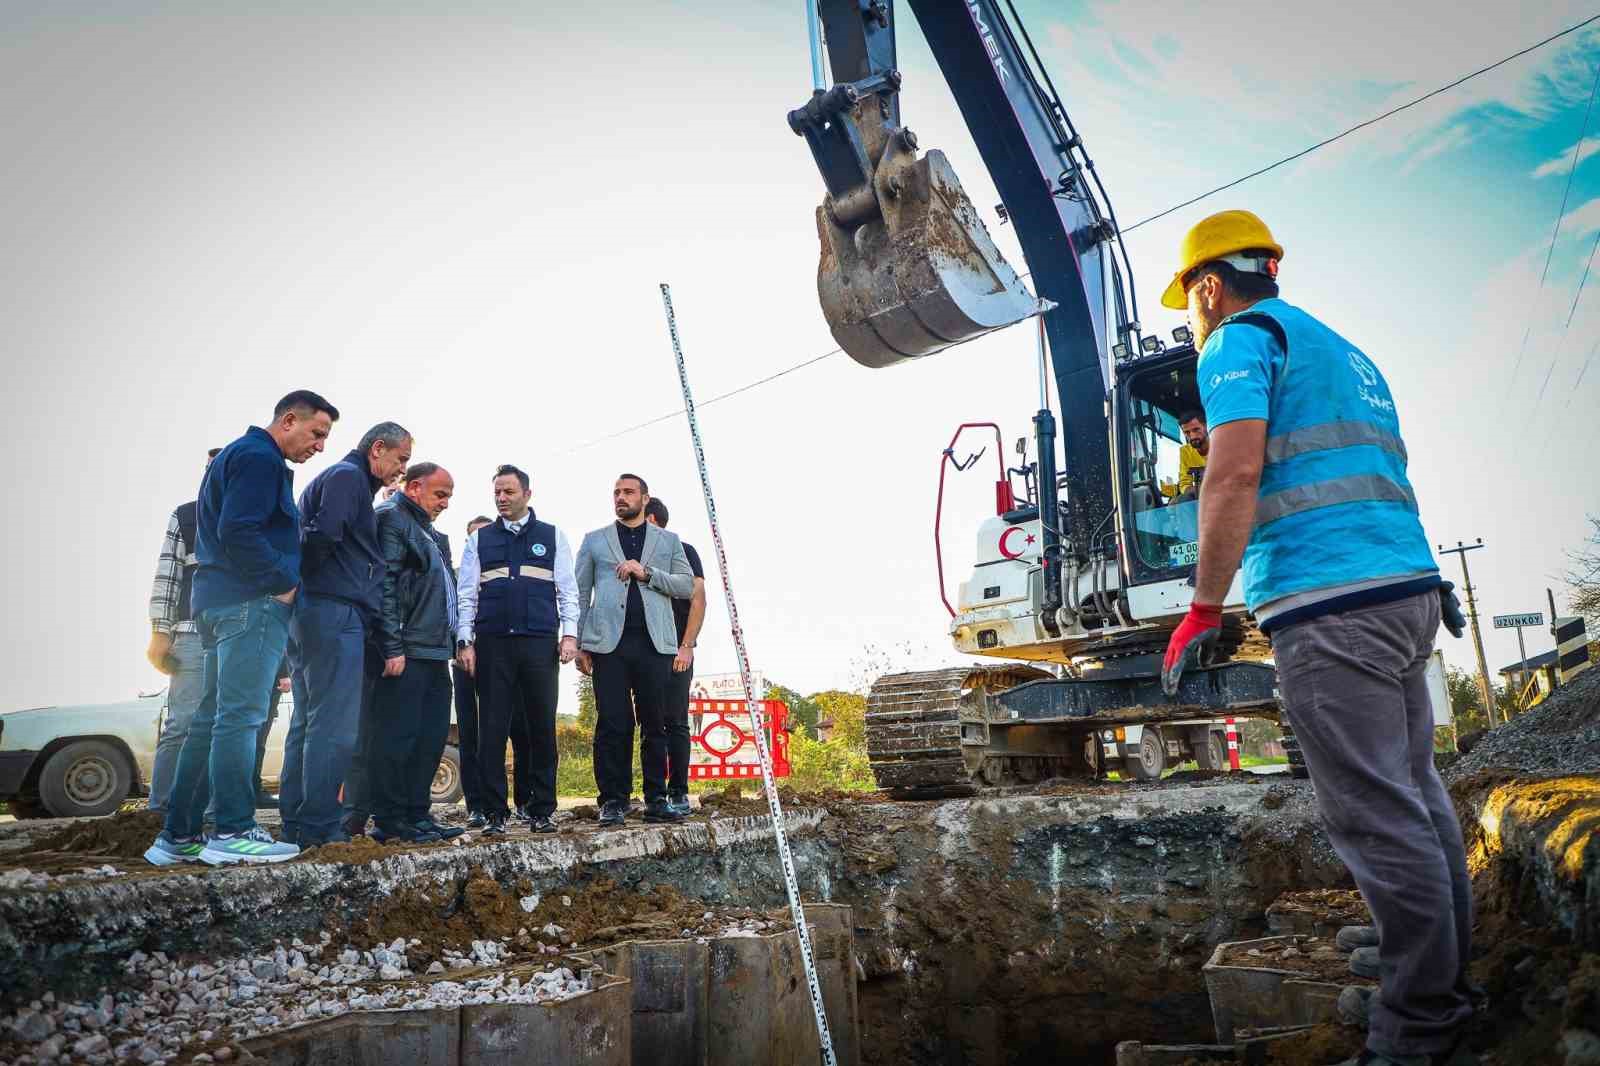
<point>255,846</point>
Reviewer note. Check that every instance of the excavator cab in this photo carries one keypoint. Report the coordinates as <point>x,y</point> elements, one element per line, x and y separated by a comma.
<point>1160,523</point>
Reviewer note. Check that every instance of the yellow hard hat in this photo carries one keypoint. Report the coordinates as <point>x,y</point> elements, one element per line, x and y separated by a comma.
<point>1222,234</point>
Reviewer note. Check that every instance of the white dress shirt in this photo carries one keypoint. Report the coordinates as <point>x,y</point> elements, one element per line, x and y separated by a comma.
<point>468,573</point>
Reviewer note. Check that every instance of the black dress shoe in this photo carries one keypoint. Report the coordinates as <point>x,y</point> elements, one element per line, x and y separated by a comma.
<point>541,823</point>
<point>660,811</point>
<point>476,820</point>
<point>443,832</point>
<point>613,813</point>
<point>402,833</point>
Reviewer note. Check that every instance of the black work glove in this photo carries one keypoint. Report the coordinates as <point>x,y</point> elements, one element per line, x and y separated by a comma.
<point>1450,610</point>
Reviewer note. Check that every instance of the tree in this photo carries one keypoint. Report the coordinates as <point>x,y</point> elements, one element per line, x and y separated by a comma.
<point>588,711</point>
<point>802,709</point>
<point>1467,704</point>
<point>1583,579</point>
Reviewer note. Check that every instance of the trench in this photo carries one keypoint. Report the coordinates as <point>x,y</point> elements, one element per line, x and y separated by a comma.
<point>1045,925</point>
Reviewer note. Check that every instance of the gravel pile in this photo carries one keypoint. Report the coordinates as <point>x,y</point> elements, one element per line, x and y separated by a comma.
<point>206,1005</point>
<point>1559,736</point>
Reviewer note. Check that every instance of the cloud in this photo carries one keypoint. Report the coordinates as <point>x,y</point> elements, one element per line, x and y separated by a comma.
<point>1563,161</point>
<point>1581,220</point>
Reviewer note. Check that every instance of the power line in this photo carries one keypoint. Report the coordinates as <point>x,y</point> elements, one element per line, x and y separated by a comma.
<point>720,396</point>
<point>1128,229</point>
<point>1561,213</point>
<point>1363,125</point>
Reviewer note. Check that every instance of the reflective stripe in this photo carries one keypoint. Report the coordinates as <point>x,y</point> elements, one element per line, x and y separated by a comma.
<point>1330,435</point>
<point>1357,488</point>
<point>503,573</point>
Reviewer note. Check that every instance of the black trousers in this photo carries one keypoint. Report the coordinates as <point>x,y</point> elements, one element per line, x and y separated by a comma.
<point>466,688</point>
<point>631,682</point>
<point>413,714</point>
<point>518,685</point>
<point>357,794</point>
<point>678,731</point>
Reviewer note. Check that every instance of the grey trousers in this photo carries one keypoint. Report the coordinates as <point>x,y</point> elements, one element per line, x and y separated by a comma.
<point>188,684</point>
<point>1353,686</point>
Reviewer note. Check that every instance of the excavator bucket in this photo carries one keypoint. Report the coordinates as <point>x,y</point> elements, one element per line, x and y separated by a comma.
<point>922,277</point>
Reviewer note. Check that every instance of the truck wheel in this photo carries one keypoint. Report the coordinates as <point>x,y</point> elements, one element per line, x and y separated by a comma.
<point>84,779</point>
<point>1213,754</point>
<point>1150,759</point>
<point>447,778</point>
<point>1291,748</point>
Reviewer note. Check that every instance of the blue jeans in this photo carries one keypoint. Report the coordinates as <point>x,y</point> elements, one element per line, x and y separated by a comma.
<point>184,692</point>
<point>329,647</point>
<point>243,645</point>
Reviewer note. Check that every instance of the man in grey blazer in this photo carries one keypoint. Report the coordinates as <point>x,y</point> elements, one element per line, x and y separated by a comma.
<point>628,574</point>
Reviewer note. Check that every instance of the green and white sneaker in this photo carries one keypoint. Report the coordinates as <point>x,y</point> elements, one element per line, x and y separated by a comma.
<point>170,850</point>
<point>254,846</point>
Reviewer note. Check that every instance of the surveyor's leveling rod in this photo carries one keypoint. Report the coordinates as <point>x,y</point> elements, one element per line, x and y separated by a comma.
<point>758,720</point>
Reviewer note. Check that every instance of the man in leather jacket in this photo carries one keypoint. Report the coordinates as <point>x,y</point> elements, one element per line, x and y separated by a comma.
<point>416,637</point>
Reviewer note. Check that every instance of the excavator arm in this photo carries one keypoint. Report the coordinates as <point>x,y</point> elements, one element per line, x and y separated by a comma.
<point>908,269</point>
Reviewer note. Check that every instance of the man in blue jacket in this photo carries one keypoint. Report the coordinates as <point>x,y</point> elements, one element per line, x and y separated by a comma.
<point>247,543</point>
<point>1306,494</point>
<point>343,574</point>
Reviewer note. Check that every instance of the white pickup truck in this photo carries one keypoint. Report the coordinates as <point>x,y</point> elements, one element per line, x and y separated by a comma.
<point>71,762</point>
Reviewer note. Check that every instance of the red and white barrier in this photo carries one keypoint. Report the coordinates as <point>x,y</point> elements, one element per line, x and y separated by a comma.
<point>723,742</point>
<point>1233,744</point>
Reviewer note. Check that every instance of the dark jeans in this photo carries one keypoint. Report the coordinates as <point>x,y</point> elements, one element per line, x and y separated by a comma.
<point>328,645</point>
<point>1354,687</point>
<point>261,734</point>
<point>184,692</point>
<point>678,731</point>
<point>244,643</point>
<point>414,709</point>
<point>631,681</point>
<point>471,769</point>
<point>518,678</point>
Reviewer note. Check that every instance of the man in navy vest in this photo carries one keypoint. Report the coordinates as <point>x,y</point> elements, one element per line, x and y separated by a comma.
<point>518,607</point>
<point>343,573</point>
<point>247,542</point>
<point>1306,483</point>
<point>175,647</point>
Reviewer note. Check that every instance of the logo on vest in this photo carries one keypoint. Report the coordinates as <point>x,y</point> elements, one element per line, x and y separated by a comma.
<point>1364,370</point>
<point>1232,375</point>
<point>539,550</point>
<point>1368,376</point>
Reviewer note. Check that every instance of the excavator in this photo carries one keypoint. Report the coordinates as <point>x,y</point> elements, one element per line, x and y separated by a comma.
<point>1086,565</point>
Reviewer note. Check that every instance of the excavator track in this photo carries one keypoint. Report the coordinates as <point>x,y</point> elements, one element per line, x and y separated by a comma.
<point>915,725</point>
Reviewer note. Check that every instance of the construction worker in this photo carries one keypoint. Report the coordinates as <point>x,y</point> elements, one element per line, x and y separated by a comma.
<point>1191,455</point>
<point>1306,483</point>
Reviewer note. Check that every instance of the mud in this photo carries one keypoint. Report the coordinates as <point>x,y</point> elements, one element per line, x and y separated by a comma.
<point>125,835</point>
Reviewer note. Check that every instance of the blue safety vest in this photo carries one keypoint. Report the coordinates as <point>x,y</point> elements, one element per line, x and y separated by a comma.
<point>1335,506</point>
<point>517,581</point>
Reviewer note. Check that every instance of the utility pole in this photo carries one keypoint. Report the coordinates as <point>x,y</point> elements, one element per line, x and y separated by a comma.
<point>1555,675</point>
<point>1485,689</point>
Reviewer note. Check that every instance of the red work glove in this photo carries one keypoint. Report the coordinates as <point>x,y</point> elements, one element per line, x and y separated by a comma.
<point>1199,629</point>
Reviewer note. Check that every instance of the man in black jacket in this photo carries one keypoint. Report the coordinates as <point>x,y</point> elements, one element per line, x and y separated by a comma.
<point>343,576</point>
<point>416,637</point>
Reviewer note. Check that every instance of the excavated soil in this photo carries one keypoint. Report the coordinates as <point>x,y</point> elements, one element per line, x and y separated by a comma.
<point>1315,957</point>
<point>1318,912</point>
<point>125,835</point>
<point>588,915</point>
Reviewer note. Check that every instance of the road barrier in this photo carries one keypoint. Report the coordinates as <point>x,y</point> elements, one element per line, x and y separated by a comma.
<point>724,739</point>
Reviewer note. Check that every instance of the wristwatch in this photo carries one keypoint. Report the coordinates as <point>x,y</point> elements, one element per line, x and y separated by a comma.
<point>463,644</point>
<point>647,575</point>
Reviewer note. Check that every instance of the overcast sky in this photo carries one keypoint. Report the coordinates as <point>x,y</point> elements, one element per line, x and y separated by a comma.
<point>456,216</point>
